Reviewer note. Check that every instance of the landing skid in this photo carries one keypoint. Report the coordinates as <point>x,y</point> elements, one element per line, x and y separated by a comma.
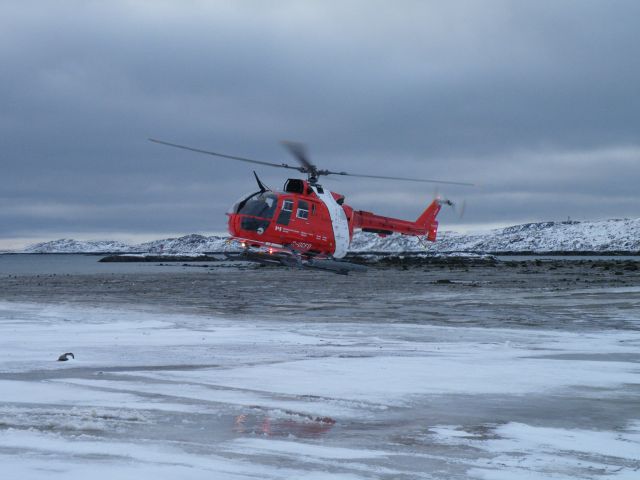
<point>295,260</point>
<point>335,266</point>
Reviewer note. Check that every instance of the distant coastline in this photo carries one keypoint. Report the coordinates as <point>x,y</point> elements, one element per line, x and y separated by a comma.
<point>612,237</point>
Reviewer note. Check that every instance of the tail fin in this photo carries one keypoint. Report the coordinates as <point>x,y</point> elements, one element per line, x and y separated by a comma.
<point>428,219</point>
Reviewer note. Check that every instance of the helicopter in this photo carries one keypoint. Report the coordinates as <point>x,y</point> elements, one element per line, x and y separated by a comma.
<point>306,225</point>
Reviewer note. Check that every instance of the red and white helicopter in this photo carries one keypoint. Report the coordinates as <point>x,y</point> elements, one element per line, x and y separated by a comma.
<point>306,225</point>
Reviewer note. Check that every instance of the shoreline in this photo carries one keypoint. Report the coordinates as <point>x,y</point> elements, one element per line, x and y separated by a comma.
<point>209,256</point>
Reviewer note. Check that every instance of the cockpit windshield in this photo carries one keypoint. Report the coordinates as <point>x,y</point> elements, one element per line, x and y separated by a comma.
<point>259,204</point>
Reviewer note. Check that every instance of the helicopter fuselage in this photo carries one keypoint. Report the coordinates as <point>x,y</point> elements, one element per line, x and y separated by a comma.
<point>312,221</point>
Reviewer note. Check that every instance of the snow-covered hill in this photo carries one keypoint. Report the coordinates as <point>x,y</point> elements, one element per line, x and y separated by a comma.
<point>67,245</point>
<point>193,243</point>
<point>189,244</point>
<point>598,236</point>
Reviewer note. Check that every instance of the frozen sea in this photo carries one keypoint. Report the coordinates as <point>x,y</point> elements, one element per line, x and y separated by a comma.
<point>518,370</point>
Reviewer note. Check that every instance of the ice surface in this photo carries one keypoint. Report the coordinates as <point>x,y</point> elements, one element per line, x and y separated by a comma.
<point>394,379</point>
<point>525,451</point>
<point>155,394</point>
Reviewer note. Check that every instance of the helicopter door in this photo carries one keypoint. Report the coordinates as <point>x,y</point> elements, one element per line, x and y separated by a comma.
<point>285,212</point>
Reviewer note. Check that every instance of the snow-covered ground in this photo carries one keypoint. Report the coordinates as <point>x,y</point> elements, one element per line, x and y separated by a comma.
<point>595,236</point>
<point>171,395</point>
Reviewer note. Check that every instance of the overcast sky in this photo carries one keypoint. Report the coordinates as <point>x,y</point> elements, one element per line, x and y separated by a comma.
<point>537,102</point>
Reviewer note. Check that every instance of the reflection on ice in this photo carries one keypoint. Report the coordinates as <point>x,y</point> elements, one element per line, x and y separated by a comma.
<point>287,425</point>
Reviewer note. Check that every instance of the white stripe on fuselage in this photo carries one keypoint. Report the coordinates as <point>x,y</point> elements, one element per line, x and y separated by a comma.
<point>339,222</point>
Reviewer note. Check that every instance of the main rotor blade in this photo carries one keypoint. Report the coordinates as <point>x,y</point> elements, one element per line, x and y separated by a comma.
<point>404,179</point>
<point>299,151</point>
<point>231,157</point>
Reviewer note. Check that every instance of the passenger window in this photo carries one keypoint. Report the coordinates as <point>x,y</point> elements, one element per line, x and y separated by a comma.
<point>287,205</point>
<point>303,210</point>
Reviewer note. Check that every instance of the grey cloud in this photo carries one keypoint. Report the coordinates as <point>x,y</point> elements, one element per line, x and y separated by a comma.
<point>535,101</point>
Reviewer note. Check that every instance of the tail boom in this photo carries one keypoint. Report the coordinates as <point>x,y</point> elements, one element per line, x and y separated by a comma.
<point>425,225</point>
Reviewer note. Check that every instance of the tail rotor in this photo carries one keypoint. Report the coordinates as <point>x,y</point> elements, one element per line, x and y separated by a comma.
<point>458,209</point>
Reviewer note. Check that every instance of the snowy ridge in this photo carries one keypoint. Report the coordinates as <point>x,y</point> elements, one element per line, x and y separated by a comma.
<point>67,245</point>
<point>600,236</point>
<point>188,244</point>
<point>193,243</point>
<point>615,235</point>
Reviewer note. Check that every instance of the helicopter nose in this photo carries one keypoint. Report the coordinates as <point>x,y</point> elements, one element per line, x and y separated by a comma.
<point>234,224</point>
